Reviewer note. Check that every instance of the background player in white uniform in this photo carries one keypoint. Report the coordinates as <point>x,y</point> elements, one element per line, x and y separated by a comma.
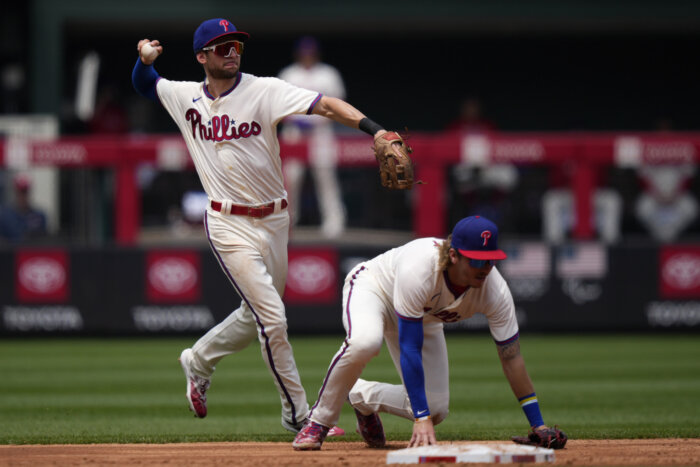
<point>229,123</point>
<point>309,72</point>
<point>403,297</point>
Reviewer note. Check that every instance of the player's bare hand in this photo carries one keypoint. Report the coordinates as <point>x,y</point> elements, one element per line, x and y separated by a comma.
<point>423,434</point>
<point>149,50</point>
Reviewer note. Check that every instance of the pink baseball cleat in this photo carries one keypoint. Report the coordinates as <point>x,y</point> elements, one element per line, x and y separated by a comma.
<point>196,386</point>
<point>335,432</point>
<point>311,437</point>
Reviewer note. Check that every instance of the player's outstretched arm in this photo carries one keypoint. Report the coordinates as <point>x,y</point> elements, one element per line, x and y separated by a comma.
<point>390,150</point>
<point>340,111</point>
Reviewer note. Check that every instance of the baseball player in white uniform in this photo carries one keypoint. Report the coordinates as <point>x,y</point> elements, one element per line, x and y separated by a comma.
<point>403,297</point>
<point>309,72</point>
<point>229,124</point>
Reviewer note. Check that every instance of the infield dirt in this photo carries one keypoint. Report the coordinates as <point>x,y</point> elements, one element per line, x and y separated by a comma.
<point>648,452</point>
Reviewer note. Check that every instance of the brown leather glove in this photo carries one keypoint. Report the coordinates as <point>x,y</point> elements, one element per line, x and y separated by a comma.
<point>552,438</point>
<point>395,165</point>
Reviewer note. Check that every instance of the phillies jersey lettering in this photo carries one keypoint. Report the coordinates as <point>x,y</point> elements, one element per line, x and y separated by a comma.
<point>446,316</point>
<point>217,130</point>
<point>232,139</point>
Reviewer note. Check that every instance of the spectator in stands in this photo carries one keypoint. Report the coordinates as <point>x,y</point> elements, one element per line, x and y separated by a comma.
<point>471,118</point>
<point>22,221</point>
<point>483,186</point>
<point>309,72</point>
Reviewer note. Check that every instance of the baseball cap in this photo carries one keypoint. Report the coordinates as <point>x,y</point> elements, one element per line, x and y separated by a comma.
<point>214,28</point>
<point>476,237</point>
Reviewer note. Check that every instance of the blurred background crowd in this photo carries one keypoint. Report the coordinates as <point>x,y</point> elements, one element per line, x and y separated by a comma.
<point>462,69</point>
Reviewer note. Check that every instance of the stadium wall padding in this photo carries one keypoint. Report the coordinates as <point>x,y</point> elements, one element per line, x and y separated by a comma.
<point>578,287</point>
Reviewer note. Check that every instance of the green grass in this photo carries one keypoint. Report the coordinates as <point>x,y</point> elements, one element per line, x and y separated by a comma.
<point>119,390</point>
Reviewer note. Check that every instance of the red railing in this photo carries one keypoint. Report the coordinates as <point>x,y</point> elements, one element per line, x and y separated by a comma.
<point>583,152</point>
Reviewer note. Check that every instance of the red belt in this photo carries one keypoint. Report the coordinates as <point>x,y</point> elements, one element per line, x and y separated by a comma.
<point>250,211</point>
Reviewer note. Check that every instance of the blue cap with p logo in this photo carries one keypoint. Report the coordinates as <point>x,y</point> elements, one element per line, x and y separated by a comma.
<point>477,238</point>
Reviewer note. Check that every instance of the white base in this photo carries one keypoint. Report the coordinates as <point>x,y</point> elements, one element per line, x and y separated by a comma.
<point>470,452</point>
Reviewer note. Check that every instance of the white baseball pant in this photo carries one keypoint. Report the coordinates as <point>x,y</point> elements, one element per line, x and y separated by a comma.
<point>369,318</point>
<point>253,254</point>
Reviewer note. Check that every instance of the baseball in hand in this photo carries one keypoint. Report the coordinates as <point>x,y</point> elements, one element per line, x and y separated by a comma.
<point>148,52</point>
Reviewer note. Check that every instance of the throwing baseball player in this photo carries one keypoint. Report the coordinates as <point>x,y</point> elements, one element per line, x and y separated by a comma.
<point>229,123</point>
<point>403,297</point>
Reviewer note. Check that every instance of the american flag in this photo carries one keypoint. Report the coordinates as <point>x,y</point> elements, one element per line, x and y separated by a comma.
<point>527,260</point>
<point>589,260</point>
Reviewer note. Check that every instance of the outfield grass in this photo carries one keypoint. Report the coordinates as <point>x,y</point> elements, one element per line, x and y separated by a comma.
<point>119,390</point>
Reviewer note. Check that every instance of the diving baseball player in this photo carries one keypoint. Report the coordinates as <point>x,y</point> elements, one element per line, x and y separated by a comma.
<point>229,123</point>
<point>403,297</point>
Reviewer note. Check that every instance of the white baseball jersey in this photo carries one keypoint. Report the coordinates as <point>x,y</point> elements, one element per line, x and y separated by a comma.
<point>322,78</point>
<point>233,138</point>
<point>409,277</point>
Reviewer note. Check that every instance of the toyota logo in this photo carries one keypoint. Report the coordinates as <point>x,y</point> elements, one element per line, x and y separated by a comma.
<point>310,275</point>
<point>42,275</point>
<point>682,271</point>
<point>172,276</point>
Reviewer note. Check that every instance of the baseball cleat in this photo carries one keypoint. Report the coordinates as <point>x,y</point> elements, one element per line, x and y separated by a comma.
<point>311,437</point>
<point>371,429</point>
<point>196,386</point>
<point>335,432</point>
<point>291,427</point>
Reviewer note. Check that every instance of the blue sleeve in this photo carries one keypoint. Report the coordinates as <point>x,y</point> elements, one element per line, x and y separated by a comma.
<point>144,79</point>
<point>411,345</point>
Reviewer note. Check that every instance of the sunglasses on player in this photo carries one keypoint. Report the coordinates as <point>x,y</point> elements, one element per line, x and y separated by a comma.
<point>226,49</point>
<point>480,263</point>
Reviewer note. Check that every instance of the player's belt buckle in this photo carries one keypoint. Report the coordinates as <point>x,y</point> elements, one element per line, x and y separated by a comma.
<point>261,211</point>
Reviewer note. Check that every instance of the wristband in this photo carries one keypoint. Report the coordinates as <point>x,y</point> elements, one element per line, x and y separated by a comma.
<point>531,408</point>
<point>369,127</point>
<point>422,419</point>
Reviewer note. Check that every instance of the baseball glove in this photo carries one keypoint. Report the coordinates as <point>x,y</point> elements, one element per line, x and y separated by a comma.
<point>395,165</point>
<point>552,438</point>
